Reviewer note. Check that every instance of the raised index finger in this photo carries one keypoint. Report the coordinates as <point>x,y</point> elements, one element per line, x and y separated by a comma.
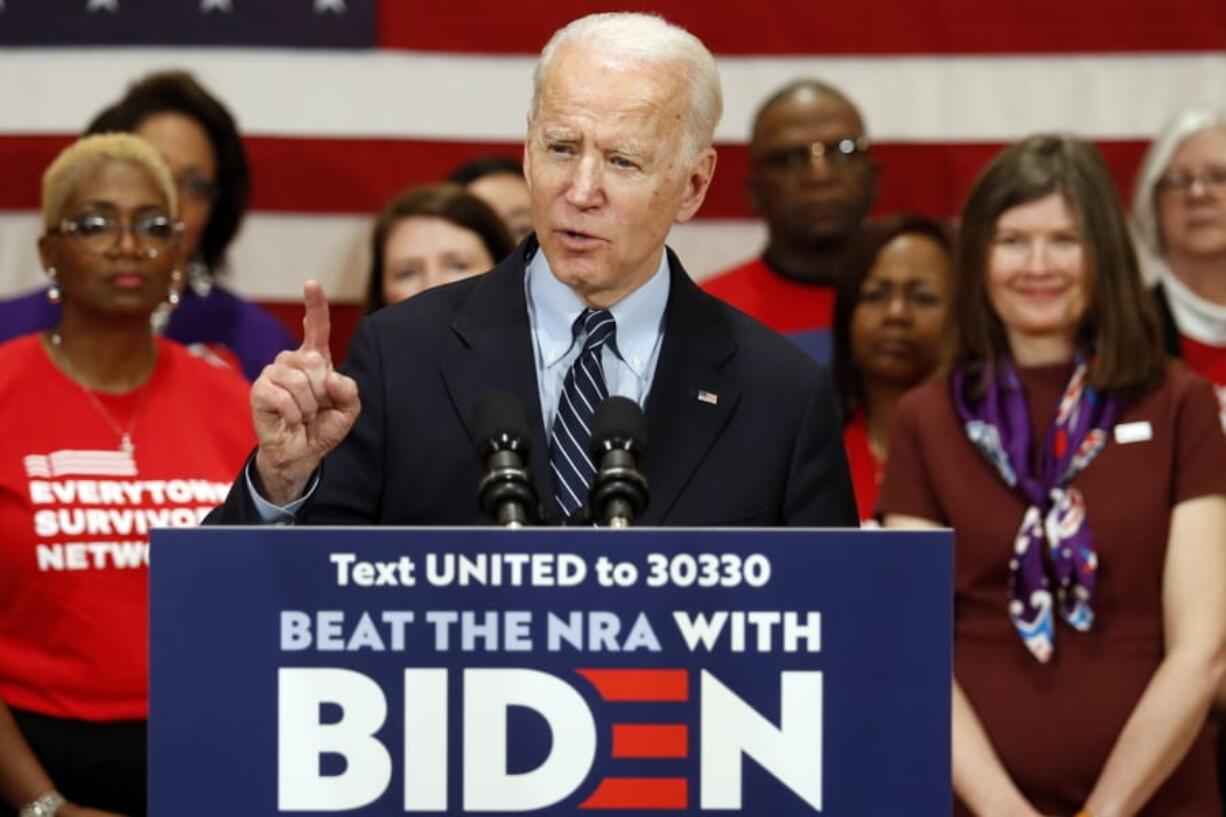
<point>316,326</point>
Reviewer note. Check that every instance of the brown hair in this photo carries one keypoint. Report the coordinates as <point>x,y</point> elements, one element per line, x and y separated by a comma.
<point>447,201</point>
<point>1120,325</point>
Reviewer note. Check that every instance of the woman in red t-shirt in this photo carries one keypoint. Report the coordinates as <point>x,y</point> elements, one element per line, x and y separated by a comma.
<point>889,321</point>
<point>113,431</point>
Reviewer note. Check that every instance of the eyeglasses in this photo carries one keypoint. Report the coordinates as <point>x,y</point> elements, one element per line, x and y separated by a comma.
<point>840,154</point>
<point>99,232</point>
<point>1212,179</point>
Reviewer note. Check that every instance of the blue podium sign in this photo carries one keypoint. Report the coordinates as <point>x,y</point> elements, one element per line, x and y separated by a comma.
<point>482,671</point>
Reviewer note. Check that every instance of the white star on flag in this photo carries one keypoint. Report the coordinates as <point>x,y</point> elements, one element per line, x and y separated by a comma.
<point>102,5</point>
<point>216,5</point>
<point>335,6</point>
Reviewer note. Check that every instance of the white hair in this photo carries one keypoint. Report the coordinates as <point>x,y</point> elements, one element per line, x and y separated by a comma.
<point>1178,130</point>
<point>653,40</point>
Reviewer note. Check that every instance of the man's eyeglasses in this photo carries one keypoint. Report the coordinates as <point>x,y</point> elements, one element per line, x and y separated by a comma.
<point>840,154</point>
<point>100,233</point>
<point>1212,179</point>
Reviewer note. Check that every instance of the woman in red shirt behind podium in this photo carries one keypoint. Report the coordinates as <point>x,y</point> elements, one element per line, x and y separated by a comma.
<point>890,315</point>
<point>112,431</point>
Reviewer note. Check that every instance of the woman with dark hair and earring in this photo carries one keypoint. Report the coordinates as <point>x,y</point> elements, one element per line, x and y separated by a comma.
<point>198,139</point>
<point>890,312</point>
<point>432,235</point>
<point>1084,477</point>
<point>112,430</point>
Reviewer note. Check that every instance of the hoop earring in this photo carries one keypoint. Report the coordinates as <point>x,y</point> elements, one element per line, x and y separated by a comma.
<point>54,294</point>
<point>199,277</point>
<point>173,297</point>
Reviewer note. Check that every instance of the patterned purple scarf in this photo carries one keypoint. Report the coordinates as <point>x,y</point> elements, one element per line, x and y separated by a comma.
<point>998,425</point>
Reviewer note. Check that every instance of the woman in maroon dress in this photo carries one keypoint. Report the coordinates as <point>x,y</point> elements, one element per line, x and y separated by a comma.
<point>1085,479</point>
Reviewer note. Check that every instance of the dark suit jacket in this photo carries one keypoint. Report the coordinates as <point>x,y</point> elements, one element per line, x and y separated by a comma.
<point>769,452</point>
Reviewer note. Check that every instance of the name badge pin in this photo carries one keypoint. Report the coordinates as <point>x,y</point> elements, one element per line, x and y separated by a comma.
<point>1137,432</point>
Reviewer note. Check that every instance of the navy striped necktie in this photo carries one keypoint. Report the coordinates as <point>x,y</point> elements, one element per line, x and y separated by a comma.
<point>583,390</point>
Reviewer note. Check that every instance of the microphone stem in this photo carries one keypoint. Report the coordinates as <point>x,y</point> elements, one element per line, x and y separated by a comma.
<point>511,515</point>
<point>619,513</point>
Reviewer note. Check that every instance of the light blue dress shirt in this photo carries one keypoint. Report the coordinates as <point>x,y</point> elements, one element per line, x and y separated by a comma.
<point>629,362</point>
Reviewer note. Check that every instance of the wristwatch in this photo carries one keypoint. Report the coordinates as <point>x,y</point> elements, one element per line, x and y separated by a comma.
<point>47,805</point>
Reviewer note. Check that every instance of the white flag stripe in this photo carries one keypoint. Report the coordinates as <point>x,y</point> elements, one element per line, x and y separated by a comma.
<point>37,469</point>
<point>275,253</point>
<point>91,463</point>
<point>411,95</point>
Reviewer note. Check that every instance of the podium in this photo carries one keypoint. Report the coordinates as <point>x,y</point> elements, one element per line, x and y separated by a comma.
<point>389,671</point>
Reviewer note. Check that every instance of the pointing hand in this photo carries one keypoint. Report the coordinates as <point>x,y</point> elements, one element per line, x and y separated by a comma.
<point>302,407</point>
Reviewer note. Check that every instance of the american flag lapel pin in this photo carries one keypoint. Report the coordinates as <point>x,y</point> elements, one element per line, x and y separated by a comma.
<point>708,397</point>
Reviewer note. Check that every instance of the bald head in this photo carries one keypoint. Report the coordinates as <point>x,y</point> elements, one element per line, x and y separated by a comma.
<point>807,94</point>
<point>812,178</point>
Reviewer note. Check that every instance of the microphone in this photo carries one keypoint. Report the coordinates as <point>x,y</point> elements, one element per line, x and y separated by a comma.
<point>506,493</point>
<point>619,442</point>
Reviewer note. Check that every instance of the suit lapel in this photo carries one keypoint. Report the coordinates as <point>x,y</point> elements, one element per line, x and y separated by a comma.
<point>692,397</point>
<point>493,326</point>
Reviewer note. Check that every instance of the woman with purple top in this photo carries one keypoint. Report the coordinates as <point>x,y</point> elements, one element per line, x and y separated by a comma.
<point>1084,477</point>
<point>199,140</point>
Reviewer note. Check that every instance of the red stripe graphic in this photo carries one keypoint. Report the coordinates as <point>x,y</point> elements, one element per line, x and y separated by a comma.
<point>639,793</point>
<point>868,27</point>
<point>655,740</point>
<point>639,684</point>
<point>360,175</point>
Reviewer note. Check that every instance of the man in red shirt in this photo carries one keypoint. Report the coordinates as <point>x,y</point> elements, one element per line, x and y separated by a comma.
<point>813,180</point>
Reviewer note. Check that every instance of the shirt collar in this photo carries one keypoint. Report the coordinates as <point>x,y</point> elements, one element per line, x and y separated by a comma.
<point>639,315</point>
<point>1196,317</point>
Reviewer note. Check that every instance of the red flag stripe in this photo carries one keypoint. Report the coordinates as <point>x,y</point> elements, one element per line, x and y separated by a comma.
<point>639,793</point>
<point>360,175</point>
<point>796,27</point>
<point>656,740</point>
<point>639,684</point>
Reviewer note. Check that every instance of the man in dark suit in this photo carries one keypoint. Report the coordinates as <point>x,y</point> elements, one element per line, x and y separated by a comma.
<point>742,427</point>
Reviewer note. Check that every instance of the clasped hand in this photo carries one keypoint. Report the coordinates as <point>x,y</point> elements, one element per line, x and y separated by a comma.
<point>301,406</point>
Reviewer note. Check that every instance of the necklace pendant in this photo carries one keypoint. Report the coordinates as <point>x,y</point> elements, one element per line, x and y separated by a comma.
<point>126,446</point>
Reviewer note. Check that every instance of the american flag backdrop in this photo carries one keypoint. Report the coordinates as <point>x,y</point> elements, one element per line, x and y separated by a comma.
<point>345,102</point>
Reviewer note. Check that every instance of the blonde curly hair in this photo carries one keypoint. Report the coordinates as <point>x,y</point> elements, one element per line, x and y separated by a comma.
<point>86,155</point>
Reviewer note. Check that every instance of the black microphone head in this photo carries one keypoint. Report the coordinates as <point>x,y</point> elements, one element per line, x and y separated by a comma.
<point>619,423</point>
<point>500,424</point>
